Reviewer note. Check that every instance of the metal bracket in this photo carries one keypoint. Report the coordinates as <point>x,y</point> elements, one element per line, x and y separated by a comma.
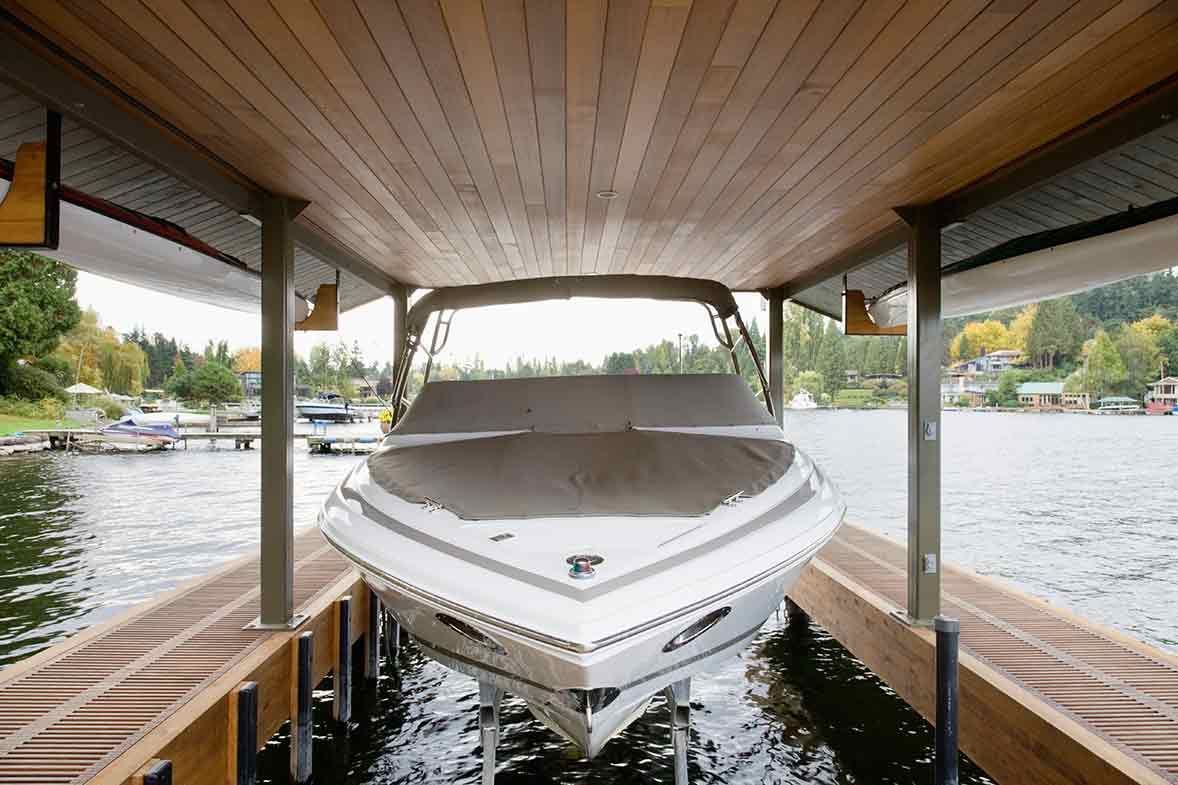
<point>295,622</point>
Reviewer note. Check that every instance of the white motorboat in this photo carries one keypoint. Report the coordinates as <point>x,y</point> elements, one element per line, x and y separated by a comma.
<point>802,400</point>
<point>584,542</point>
<point>127,435</point>
<point>328,407</point>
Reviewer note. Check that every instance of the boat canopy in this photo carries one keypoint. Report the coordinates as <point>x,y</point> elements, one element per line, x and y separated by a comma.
<point>530,290</point>
<point>584,404</point>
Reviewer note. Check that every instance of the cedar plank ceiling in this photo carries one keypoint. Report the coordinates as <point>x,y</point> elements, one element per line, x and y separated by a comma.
<point>747,140</point>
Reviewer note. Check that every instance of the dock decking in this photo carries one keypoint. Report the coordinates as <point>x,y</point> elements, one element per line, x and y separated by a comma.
<point>1045,696</point>
<point>101,704</point>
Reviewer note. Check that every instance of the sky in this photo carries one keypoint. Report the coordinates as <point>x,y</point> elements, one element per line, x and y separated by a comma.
<point>567,330</point>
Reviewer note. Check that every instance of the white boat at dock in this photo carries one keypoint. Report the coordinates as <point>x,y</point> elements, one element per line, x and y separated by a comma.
<point>587,542</point>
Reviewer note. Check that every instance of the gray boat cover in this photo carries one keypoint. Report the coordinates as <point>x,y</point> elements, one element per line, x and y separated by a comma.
<point>531,475</point>
<point>583,404</point>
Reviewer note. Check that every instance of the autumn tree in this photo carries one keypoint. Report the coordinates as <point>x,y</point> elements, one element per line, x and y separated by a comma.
<point>980,338</point>
<point>247,359</point>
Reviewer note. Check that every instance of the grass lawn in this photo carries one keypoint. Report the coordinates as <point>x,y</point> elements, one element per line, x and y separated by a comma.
<point>10,424</point>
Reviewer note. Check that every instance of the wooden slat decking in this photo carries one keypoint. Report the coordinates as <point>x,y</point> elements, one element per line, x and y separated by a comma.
<point>70,712</point>
<point>1046,696</point>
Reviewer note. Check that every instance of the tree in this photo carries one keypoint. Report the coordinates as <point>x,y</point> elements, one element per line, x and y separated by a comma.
<point>98,356</point>
<point>1140,354</point>
<point>832,362</point>
<point>1056,332</point>
<point>248,359</point>
<point>1020,327</point>
<point>1103,367</point>
<point>36,307</point>
<point>619,362</point>
<point>215,383</point>
<point>979,338</point>
<point>810,381</point>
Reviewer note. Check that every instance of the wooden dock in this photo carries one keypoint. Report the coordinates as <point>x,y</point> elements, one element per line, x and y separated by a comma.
<point>158,682</point>
<point>1045,696</point>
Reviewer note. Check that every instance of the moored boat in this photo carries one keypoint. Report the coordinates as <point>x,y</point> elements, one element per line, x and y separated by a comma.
<point>584,542</point>
<point>327,407</point>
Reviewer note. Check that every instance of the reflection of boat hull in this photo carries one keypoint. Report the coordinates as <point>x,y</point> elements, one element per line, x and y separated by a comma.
<point>324,412</point>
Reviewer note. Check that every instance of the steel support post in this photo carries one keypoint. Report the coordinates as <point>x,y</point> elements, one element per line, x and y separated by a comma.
<point>489,697</point>
<point>277,589</point>
<point>924,413</point>
<point>776,353</point>
<point>400,336</point>
<point>948,637</point>
<point>679,701</point>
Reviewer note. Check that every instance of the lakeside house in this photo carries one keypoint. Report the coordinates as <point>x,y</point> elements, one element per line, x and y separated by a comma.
<point>1162,397</point>
<point>992,362</point>
<point>1051,395</point>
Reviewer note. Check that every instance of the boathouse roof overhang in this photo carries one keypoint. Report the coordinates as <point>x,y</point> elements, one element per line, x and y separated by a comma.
<point>761,144</point>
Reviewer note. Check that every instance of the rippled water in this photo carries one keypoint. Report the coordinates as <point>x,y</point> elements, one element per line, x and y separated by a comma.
<point>1077,509</point>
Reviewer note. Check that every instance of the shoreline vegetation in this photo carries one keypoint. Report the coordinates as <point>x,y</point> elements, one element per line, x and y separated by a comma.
<point>1109,341</point>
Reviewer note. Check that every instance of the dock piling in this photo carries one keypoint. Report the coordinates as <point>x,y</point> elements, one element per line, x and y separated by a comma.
<point>157,772</point>
<point>245,743</point>
<point>948,635</point>
<point>372,638</point>
<point>342,704</point>
<point>300,732</point>
<point>794,614</point>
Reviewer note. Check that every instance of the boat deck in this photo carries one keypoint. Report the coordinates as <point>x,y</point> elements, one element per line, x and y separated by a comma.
<point>1046,696</point>
<point>101,704</point>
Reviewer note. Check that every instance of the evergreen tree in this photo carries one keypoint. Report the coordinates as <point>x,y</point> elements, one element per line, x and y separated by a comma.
<point>1056,332</point>
<point>832,363</point>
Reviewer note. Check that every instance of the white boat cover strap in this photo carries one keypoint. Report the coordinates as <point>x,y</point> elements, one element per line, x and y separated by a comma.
<point>541,475</point>
<point>579,404</point>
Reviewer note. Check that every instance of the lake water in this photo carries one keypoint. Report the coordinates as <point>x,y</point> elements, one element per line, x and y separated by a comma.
<point>1078,509</point>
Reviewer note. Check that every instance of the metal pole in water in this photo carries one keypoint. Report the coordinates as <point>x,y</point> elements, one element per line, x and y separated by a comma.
<point>948,635</point>
<point>300,731</point>
<point>342,705</point>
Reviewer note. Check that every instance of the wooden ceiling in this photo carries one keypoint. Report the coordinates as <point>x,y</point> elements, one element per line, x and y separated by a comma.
<point>746,140</point>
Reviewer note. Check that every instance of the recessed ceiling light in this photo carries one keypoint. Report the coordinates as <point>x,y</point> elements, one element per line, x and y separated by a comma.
<point>607,194</point>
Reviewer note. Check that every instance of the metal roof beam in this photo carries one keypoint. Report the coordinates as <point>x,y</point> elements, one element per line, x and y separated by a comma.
<point>92,102</point>
<point>1120,125</point>
<point>877,245</point>
<point>336,254</point>
<point>48,74</point>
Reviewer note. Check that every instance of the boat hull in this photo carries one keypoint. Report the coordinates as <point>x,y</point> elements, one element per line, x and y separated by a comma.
<point>626,675</point>
<point>319,413</point>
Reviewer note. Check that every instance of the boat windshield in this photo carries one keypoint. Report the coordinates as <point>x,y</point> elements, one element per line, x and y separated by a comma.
<point>442,304</point>
<point>584,404</point>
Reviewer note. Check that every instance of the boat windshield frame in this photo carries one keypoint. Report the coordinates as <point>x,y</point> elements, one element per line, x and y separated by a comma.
<point>443,303</point>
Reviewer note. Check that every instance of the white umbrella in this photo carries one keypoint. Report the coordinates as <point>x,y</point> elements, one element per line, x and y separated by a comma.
<point>82,389</point>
